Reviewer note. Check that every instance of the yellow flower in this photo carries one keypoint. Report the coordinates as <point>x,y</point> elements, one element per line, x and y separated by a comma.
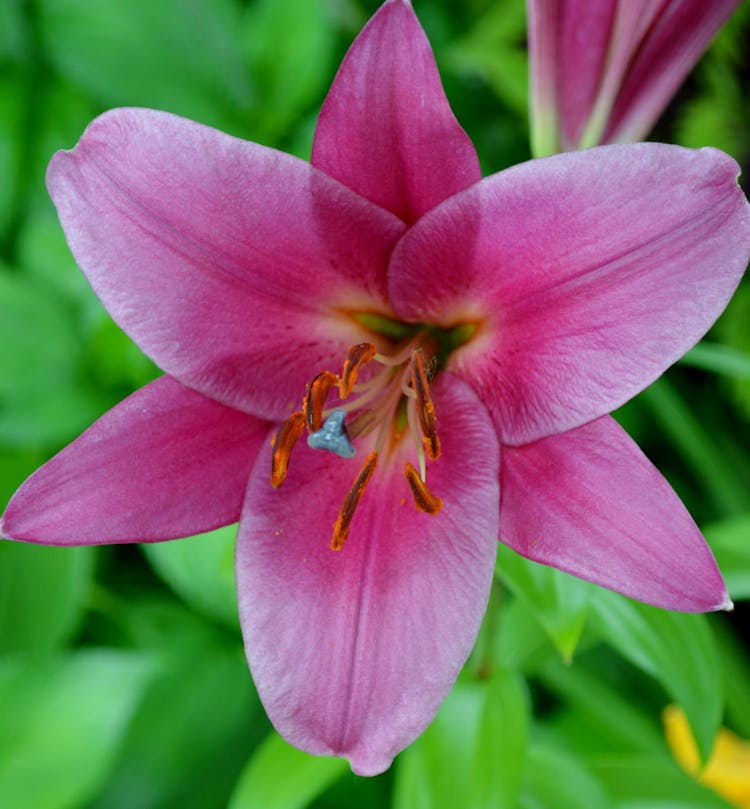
<point>728,769</point>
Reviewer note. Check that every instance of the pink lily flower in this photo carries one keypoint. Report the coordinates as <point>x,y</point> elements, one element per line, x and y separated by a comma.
<point>465,337</point>
<point>602,71</point>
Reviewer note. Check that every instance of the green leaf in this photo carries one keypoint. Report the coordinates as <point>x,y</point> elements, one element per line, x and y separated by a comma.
<point>43,251</point>
<point>289,47</point>
<point>178,55</point>
<point>596,715</point>
<point>11,146</point>
<point>696,445</point>
<point>37,341</point>
<point>732,330</point>
<point>558,601</point>
<point>15,467</point>
<point>42,401</point>
<point>520,643</point>
<point>42,592</point>
<point>652,782</point>
<point>279,776</point>
<point>736,659</point>
<point>716,115</point>
<point>730,542</point>
<point>113,359</point>
<point>675,648</point>
<point>494,50</point>
<point>719,359</point>
<point>201,570</point>
<point>62,723</point>
<point>188,740</point>
<point>554,779</point>
<point>473,754</point>
<point>48,418</point>
<point>13,38</point>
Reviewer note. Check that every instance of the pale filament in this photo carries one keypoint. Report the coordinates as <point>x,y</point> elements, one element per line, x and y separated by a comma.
<point>416,434</point>
<point>400,357</point>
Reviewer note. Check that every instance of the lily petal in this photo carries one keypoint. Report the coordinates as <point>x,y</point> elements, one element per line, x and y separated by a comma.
<point>165,463</point>
<point>228,263</point>
<point>353,651</point>
<point>588,274</point>
<point>386,129</point>
<point>589,502</point>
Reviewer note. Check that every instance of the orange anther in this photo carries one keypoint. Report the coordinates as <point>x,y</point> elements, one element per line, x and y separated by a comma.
<point>283,444</point>
<point>424,500</point>
<point>356,357</point>
<point>315,399</point>
<point>341,527</point>
<point>425,407</point>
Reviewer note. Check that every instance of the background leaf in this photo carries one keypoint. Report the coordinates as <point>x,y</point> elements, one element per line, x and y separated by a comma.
<point>180,55</point>
<point>279,776</point>
<point>656,783</point>
<point>473,754</point>
<point>557,600</point>
<point>675,648</point>
<point>42,595</point>
<point>201,570</point>
<point>65,719</point>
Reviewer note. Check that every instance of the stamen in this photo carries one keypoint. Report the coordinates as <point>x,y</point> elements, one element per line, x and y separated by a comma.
<point>424,500</point>
<point>333,436</point>
<point>425,407</point>
<point>315,399</point>
<point>283,444</point>
<point>341,527</point>
<point>356,357</point>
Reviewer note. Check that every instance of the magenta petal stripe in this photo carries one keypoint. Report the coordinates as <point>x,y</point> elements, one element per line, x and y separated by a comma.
<point>386,129</point>
<point>227,262</point>
<point>165,463</point>
<point>589,273</point>
<point>589,502</point>
<point>353,651</point>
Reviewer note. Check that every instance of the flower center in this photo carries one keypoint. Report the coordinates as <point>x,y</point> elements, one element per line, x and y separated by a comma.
<point>394,399</point>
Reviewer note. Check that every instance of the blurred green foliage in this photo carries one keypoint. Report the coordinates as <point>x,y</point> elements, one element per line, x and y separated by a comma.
<point>123,683</point>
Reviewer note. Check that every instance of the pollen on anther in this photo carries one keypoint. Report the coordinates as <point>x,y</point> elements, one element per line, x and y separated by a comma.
<point>283,443</point>
<point>343,522</point>
<point>425,407</point>
<point>315,399</point>
<point>356,357</point>
<point>424,500</point>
